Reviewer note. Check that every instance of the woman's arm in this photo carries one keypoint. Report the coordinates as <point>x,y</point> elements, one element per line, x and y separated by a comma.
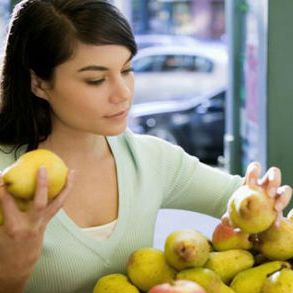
<point>21,235</point>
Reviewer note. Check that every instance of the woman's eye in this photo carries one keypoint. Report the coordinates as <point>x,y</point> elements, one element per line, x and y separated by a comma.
<point>95,82</point>
<point>128,70</point>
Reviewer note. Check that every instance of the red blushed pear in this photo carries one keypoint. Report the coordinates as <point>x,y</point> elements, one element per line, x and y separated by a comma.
<point>226,237</point>
<point>179,286</point>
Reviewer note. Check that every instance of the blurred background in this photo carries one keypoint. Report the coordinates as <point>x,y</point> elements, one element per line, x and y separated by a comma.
<point>213,76</point>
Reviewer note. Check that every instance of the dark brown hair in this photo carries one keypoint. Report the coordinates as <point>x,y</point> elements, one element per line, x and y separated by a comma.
<point>42,35</point>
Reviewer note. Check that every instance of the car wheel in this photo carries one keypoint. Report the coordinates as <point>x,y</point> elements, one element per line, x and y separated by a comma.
<point>164,134</point>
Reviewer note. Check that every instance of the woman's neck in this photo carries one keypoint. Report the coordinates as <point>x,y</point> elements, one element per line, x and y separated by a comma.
<point>75,146</point>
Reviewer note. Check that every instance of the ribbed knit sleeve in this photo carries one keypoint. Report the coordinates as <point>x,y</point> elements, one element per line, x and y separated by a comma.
<point>184,182</point>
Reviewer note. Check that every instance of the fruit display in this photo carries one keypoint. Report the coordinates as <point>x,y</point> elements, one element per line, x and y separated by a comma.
<point>20,178</point>
<point>252,254</point>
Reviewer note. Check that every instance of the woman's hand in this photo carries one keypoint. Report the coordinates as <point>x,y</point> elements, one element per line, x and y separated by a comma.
<point>21,236</point>
<point>270,183</point>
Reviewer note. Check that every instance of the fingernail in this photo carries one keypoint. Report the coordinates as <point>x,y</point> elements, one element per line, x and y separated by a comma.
<point>271,175</point>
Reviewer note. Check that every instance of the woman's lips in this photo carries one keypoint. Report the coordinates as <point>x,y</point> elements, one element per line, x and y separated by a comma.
<point>118,115</point>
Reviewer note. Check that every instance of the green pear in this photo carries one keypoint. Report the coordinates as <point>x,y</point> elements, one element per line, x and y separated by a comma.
<point>251,280</point>
<point>147,267</point>
<point>186,248</point>
<point>225,237</point>
<point>279,282</point>
<point>229,263</point>
<point>251,210</point>
<point>114,283</point>
<point>20,177</point>
<point>276,243</point>
<point>206,278</point>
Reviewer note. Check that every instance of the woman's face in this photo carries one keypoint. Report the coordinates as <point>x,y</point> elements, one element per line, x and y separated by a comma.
<point>92,92</point>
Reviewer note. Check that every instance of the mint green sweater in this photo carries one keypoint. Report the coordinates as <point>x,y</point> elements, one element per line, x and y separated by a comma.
<point>152,174</point>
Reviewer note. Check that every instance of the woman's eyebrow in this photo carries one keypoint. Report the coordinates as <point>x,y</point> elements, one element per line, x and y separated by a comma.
<point>98,67</point>
<point>93,68</point>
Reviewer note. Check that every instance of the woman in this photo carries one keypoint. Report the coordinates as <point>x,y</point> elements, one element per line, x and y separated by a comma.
<point>67,86</point>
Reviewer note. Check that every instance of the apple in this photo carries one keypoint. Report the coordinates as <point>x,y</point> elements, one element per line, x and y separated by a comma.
<point>178,286</point>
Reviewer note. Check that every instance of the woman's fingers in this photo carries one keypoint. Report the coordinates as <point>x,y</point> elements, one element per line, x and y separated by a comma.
<point>41,194</point>
<point>284,194</point>
<point>9,208</point>
<point>252,174</point>
<point>271,181</point>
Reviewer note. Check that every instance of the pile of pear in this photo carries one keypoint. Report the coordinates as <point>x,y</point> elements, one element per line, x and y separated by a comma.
<point>253,253</point>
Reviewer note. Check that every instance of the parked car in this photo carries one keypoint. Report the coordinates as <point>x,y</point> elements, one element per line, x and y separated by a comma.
<point>166,72</point>
<point>196,124</point>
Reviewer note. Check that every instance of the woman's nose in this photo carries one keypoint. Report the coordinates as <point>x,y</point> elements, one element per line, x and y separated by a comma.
<point>121,91</point>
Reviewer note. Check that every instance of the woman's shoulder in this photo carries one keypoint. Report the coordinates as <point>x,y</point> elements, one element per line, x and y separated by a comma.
<point>147,143</point>
<point>7,156</point>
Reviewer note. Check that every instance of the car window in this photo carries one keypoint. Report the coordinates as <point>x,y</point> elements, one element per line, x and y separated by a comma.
<point>169,63</point>
<point>148,64</point>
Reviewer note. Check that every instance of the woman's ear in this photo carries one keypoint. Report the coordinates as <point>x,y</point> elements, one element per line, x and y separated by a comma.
<point>38,86</point>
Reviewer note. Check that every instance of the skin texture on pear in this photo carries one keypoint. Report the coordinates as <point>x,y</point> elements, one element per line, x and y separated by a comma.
<point>229,263</point>
<point>251,210</point>
<point>276,243</point>
<point>179,286</point>
<point>279,282</point>
<point>147,267</point>
<point>206,278</point>
<point>251,280</point>
<point>226,237</point>
<point>186,248</point>
<point>114,283</point>
<point>20,177</point>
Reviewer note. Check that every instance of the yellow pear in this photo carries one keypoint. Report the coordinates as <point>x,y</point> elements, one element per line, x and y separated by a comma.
<point>147,267</point>
<point>206,278</point>
<point>251,280</point>
<point>279,282</point>
<point>251,210</point>
<point>186,248</point>
<point>276,243</point>
<point>114,283</point>
<point>20,177</point>
<point>229,263</point>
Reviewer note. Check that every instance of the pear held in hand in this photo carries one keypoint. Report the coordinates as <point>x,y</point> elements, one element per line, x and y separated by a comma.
<point>20,178</point>
<point>186,248</point>
<point>251,210</point>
